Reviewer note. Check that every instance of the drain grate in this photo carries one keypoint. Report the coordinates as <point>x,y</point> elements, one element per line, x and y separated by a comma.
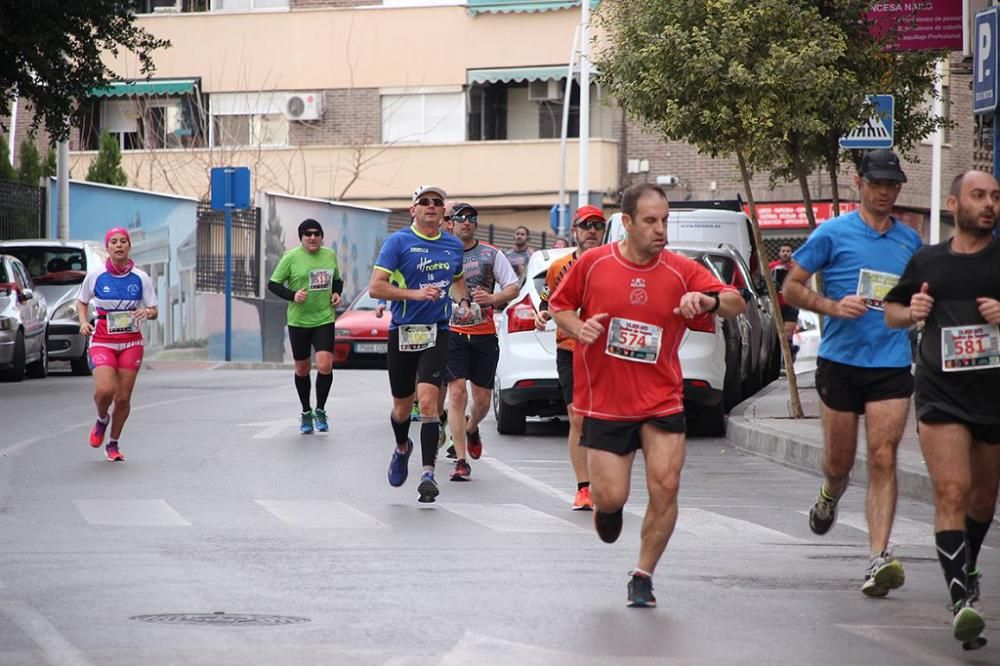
<point>220,618</point>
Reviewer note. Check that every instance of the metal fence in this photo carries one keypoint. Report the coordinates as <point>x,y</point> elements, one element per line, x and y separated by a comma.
<point>22,211</point>
<point>211,263</point>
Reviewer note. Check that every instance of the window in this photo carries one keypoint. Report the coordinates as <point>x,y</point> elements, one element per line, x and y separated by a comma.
<point>249,119</point>
<point>144,122</point>
<point>430,117</point>
<point>512,110</point>
<point>245,5</point>
<point>169,6</point>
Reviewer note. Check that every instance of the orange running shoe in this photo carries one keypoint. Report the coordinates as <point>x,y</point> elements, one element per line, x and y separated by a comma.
<point>114,455</point>
<point>583,501</point>
<point>97,433</point>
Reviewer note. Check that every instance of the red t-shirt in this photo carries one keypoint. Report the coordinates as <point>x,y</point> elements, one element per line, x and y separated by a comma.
<point>618,382</point>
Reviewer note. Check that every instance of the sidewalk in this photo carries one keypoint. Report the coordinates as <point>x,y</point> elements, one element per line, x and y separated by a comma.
<point>762,425</point>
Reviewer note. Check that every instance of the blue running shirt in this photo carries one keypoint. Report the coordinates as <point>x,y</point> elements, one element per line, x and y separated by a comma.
<point>412,261</point>
<point>838,250</point>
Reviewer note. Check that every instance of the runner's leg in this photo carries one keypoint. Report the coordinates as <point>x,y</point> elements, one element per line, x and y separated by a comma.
<point>985,468</point>
<point>123,401</point>
<point>458,398</point>
<point>884,423</point>
<point>840,439</point>
<point>664,453</point>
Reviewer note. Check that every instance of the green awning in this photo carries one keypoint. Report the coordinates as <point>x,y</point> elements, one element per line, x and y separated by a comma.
<point>519,6</point>
<point>510,74</point>
<point>146,88</point>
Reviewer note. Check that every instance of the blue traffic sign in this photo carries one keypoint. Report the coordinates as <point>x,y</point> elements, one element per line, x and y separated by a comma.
<point>876,131</point>
<point>984,62</point>
<point>230,188</point>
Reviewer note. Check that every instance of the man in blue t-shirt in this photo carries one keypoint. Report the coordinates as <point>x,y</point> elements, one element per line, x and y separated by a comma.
<point>863,366</point>
<point>417,270</point>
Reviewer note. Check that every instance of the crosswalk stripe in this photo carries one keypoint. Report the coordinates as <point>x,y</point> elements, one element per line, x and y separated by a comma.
<point>905,532</point>
<point>136,513</point>
<point>320,514</point>
<point>710,525</point>
<point>512,518</point>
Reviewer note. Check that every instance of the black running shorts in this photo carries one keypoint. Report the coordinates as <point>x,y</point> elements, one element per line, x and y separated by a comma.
<point>982,432</point>
<point>473,357</point>
<point>847,388</point>
<point>622,437</point>
<point>407,369</point>
<point>303,340</point>
<point>564,368</point>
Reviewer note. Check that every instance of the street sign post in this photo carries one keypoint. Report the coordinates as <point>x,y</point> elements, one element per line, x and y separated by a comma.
<point>876,131</point>
<point>230,187</point>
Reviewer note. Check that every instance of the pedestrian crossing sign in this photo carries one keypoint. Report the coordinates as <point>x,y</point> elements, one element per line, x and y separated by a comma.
<point>876,131</point>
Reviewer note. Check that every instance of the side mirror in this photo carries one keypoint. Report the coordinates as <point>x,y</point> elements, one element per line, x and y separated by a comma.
<point>27,295</point>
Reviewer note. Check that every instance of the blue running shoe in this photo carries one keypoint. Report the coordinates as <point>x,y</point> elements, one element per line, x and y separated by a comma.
<point>319,419</point>
<point>306,423</point>
<point>428,488</point>
<point>399,465</point>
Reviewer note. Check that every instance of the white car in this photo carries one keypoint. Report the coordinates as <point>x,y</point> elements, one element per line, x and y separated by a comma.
<point>526,380</point>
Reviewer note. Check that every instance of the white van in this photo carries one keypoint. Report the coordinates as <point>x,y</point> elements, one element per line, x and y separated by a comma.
<point>703,226</point>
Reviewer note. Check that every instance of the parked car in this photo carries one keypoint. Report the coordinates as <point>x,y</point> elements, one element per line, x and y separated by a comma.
<point>23,323</point>
<point>753,353</point>
<point>361,337</point>
<point>57,268</point>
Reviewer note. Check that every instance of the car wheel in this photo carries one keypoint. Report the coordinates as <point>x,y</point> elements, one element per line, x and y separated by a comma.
<point>81,366</point>
<point>511,419</point>
<point>708,421</point>
<point>732,390</point>
<point>40,368</point>
<point>16,371</point>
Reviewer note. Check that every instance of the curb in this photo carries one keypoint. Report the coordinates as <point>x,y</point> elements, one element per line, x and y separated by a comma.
<point>798,443</point>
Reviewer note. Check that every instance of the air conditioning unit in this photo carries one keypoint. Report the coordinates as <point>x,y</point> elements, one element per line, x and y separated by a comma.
<point>545,91</point>
<point>304,105</point>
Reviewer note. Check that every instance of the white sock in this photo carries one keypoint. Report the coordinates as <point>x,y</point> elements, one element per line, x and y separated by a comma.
<point>104,420</point>
<point>637,570</point>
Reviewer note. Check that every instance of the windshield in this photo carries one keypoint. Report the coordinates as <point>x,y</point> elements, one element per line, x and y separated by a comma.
<point>364,302</point>
<point>52,265</point>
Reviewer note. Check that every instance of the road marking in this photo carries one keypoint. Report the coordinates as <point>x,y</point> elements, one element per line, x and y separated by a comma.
<point>132,513</point>
<point>54,646</point>
<point>526,480</point>
<point>710,525</point>
<point>513,518</point>
<point>320,514</point>
<point>918,653</point>
<point>478,649</point>
<point>271,429</point>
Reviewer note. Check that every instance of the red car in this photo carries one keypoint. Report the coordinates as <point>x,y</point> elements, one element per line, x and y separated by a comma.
<point>361,337</point>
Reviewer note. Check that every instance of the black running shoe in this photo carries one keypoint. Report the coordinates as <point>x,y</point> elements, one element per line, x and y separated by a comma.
<point>608,525</point>
<point>823,513</point>
<point>450,452</point>
<point>428,488</point>
<point>640,591</point>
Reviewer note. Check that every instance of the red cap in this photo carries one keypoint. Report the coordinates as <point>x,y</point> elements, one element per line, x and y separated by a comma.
<point>115,231</point>
<point>587,212</point>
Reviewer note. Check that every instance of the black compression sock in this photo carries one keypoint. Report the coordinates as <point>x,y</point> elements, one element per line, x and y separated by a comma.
<point>952,552</point>
<point>429,431</point>
<point>976,533</point>
<point>323,384</point>
<point>303,385</point>
<point>400,430</point>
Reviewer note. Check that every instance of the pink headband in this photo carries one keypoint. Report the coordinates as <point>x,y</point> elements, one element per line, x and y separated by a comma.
<point>114,231</point>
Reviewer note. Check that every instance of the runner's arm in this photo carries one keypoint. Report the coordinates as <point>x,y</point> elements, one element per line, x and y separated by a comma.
<point>280,290</point>
<point>460,290</point>
<point>798,293</point>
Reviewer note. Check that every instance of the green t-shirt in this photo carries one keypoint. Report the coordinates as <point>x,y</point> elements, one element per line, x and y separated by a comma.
<point>301,269</point>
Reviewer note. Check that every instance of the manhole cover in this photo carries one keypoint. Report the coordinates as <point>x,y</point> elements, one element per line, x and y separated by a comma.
<point>222,619</point>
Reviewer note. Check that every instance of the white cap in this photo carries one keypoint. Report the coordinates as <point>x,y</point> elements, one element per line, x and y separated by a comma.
<point>424,189</point>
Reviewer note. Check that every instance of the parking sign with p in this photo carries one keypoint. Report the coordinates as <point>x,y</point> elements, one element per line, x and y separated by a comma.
<point>984,62</point>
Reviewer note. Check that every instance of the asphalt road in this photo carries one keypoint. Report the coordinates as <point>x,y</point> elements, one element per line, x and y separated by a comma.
<point>228,538</point>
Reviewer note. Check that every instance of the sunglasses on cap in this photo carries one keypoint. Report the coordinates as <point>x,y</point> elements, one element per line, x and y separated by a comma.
<point>427,201</point>
<point>465,217</point>
<point>312,232</point>
<point>587,225</point>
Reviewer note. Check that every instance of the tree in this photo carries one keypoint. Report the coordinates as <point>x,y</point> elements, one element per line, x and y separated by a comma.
<point>7,172</point>
<point>107,166</point>
<point>51,53</point>
<point>30,169</point>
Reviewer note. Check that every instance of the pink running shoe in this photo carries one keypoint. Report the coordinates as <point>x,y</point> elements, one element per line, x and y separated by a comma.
<point>114,455</point>
<point>97,434</point>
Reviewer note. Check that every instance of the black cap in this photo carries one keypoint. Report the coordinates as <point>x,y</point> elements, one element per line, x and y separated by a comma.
<point>460,206</point>
<point>309,224</point>
<point>882,165</point>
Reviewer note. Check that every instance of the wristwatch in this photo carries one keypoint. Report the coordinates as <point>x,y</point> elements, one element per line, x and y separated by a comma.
<point>715,295</point>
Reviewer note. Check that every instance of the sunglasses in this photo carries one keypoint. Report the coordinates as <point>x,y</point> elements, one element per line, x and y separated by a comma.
<point>587,225</point>
<point>310,234</point>
<point>471,219</point>
<point>427,201</point>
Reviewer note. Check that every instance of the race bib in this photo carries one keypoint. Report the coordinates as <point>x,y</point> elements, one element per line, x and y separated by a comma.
<point>417,337</point>
<point>467,316</point>
<point>633,340</point>
<point>975,347</point>
<point>320,279</point>
<point>121,322</point>
<point>873,287</point>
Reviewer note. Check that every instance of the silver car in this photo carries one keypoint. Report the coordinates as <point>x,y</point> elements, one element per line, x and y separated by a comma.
<point>23,320</point>
<point>57,268</point>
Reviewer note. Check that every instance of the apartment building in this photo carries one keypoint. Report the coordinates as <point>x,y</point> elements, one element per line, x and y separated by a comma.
<point>360,100</point>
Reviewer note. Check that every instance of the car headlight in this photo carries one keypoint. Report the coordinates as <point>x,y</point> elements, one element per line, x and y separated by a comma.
<point>342,332</point>
<point>7,323</point>
<point>65,311</point>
